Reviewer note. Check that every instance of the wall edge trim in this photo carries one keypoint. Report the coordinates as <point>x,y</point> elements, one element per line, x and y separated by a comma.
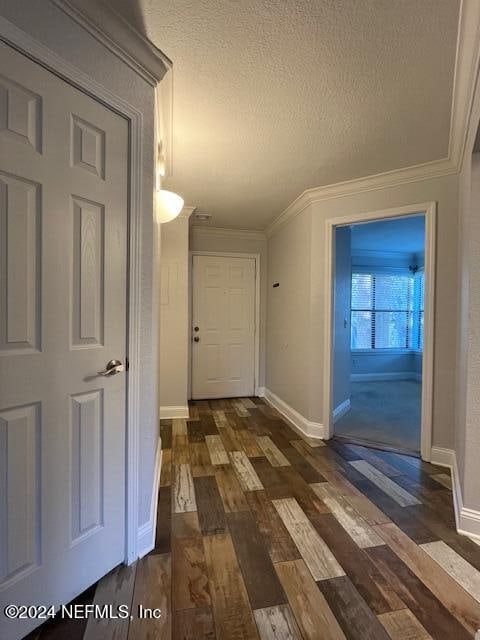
<point>467,520</point>
<point>306,427</point>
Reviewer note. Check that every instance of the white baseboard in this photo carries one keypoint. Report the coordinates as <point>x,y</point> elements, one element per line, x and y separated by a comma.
<point>260,392</point>
<point>147,531</point>
<point>174,412</point>
<point>301,424</point>
<point>341,410</point>
<point>375,377</point>
<point>467,520</point>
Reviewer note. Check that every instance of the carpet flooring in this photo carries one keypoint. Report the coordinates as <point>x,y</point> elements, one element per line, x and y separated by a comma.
<point>384,412</point>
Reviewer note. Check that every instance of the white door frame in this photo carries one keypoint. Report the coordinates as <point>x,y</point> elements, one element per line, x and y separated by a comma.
<point>38,52</point>
<point>429,209</point>
<point>226,254</point>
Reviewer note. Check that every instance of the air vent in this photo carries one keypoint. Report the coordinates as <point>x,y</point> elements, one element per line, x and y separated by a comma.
<point>202,217</point>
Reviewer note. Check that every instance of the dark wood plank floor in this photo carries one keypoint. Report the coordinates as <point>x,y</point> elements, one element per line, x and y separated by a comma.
<point>263,534</point>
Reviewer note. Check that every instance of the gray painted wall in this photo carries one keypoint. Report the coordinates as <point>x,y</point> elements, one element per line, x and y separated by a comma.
<point>174,320</point>
<point>297,257</point>
<point>467,441</point>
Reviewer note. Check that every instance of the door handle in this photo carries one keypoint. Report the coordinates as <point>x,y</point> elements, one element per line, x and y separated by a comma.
<point>112,368</point>
<point>196,339</point>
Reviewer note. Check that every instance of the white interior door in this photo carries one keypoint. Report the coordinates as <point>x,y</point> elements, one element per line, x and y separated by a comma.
<point>223,327</point>
<point>63,255</point>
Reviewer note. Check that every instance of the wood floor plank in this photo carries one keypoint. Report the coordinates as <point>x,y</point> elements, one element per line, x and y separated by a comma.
<point>277,623</point>
<point>115,589</point>
<point>316,554</point>
<point>193,624</point>
<point>247,403</point>
<point>185,525</point>
<point>217,452</point>
<point>200,460</point>
<point>317,462</point>
<point>220,418</point>
<point>166,433</point>
<point>231,609</point>
<point>388,486</point>
<point>231,492</point>
<point>240,408</point>
<point>180,450</point>
<point>403,625</point>
<point>164,521</point>
<point>375,460</point>
<point>207,422</point>
<point>365,507</point>
<point>312,613</point>
<point>189,574</point>
<point>465,608</point>
<point>437,619</point>
<point>371,584</point>
<point>248,443</point>
<point>279,543</point>
<point>179,427</point>
<point>263,586</point>
<point>407,518</point>
<point>183,490</point>
<point>301,466</point>
<point>352,613</point>
<point>153,586</point>
<point>166,469</point>
<point>272,452</point>
<point>246,474</point>
<point>210,509</point>
<point>230,438</point>
<point>350,519</point>
<point>460,570</point>
<point>195,431</point>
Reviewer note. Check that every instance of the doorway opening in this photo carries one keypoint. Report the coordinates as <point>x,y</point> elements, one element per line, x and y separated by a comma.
<point>381,332</point>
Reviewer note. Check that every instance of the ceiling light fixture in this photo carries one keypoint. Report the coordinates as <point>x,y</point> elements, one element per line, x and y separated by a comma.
<point>168,205</point>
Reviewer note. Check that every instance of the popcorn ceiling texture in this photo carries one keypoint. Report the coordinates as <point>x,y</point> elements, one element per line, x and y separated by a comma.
<point>272,97</point>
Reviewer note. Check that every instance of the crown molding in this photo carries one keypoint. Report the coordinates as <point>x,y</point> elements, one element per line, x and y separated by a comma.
<point>221,232</point>
<point>111,29</point>
<point>465,79</point>
<point>186,212</point>
<point>427,171</point>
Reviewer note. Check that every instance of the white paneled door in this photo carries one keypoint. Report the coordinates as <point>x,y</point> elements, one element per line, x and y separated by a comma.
<point>63,257</point>
<point>223,327</point>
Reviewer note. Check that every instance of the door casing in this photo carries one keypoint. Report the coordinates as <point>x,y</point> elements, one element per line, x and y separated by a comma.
<point>25,44</point>
<point>225,254</point>
<point>429,210</point>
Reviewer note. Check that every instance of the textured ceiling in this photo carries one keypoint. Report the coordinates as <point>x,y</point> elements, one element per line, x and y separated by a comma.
<point>272,97</point>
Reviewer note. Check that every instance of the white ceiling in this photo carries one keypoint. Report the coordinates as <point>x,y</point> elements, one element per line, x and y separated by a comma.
<point>403,235</point>
<point>275,96</point>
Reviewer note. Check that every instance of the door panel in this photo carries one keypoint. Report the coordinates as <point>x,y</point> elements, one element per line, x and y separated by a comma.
<point>63,270</point>
<point>223,360</point>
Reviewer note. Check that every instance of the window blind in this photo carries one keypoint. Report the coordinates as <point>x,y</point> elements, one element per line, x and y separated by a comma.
<point>387,311</point>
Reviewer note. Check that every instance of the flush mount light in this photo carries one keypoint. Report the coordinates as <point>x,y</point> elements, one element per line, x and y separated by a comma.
<point>168,205</point>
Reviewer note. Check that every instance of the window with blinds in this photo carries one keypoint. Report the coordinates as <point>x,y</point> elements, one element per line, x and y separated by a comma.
<point>387,311</point>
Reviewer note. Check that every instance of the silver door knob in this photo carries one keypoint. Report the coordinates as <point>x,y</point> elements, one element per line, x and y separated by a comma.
<point>113,367</point>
